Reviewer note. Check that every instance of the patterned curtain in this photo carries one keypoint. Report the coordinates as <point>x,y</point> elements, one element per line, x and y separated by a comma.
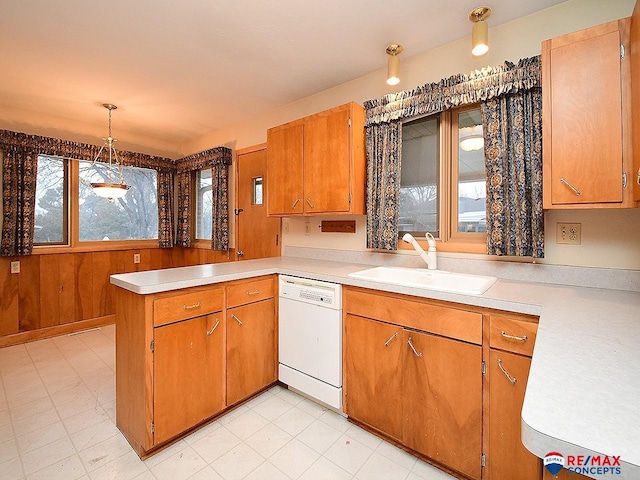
<point>384,149</point>
<point>383,185</point>
<point>37,145</point>
<point>183,235</point>
<point>218,159</point>
<point>513,157</point>
<point>19,171</point>
<point>165,209</point>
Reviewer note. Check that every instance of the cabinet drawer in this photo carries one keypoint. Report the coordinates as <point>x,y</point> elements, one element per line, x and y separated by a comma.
<point>513,335</point>
<point>250,291</point>
<point>186,305</point>
<point>417,314</point>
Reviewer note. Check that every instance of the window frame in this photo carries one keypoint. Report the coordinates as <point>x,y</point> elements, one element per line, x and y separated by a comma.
<point>66,207</point>
<point>74,244</point>
<point>450,240</point>
<point>203,243</point>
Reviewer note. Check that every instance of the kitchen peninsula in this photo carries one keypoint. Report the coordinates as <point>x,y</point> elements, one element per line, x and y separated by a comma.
<point>583,385</point>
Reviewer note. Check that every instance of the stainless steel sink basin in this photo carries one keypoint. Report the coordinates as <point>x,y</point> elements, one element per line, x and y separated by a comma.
<point>438,280</point>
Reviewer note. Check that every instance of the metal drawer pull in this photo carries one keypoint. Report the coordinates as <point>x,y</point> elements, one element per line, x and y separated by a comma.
<point>310,204</point>
<point>293,207</point>
<point>575,190</point>
<point>386,344</point>
<point>189,307</point>
<point>253,292</point>
<point>513,380</point>
<point>513,337</point>
<point>414,348</point>
<point>209,332</point>
<point>236,319</point>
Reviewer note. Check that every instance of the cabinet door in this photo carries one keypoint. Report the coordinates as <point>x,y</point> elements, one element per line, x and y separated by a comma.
<point>327,161</point>
<point>442,387</point>
<point>284,170</point>
<point>508,458</point>
<point>372,374</point>
<point>251,349</point>
<point>585,107</point>
<point>188,374</point>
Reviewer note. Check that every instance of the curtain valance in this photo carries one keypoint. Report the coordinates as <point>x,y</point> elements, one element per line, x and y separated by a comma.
<point>208,158</point>
<point>457,90</point>
<point>80,151</point>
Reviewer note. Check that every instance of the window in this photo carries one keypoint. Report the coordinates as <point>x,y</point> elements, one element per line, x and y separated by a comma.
<point>442,186</point>
<point>51,202</point>
<point>257,191</point>
<point>204,204</point>
<point>132,217</point>
<point>68,212</point>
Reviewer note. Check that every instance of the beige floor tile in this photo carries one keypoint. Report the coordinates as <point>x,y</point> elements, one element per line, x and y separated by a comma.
<point>179,466</point>
<point>294,458</point>
<point>268,440</point>
<point>348,454</point>
<point>379,467</point>
<point>237,463</point>
<point>69,468</point>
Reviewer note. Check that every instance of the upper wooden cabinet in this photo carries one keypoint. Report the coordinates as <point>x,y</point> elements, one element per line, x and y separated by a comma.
<point>316,165</point>
<point>586,118</point>
<point>634,55</point>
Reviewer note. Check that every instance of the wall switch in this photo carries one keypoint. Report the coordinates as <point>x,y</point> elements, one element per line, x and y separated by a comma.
<point>15,266</point>
<point>569,233</point>
<point>136,258</point>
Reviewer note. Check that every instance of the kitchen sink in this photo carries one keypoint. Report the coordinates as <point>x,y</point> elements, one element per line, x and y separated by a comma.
<point>438,280</point>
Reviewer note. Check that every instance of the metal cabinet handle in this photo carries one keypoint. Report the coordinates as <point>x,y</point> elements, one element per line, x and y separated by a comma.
<point>213,329</point>
<point>513,337</point>
<point>513,380</point>
<point>414,348</point>
<point>293,207</point>
<point>386,344</point>
<point>310,204</point>
<point>236,319</point>
<point>189,307</point>
<point>575,190</point>
<point>253,292</point>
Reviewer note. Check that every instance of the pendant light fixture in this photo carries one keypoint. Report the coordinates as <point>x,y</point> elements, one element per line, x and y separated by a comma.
<point>471,138</point>
<point>393,67</point>
<point>480,32</point>
<point>110,189</point>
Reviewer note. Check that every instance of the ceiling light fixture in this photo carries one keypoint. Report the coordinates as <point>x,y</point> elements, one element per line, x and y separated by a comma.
<point>110,189</point>
<point>471,138</point>
<point>480,32</point>
<point>393,67</point>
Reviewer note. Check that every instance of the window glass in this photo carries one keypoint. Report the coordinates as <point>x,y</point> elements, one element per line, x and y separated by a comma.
<point>204,204</point>
<point>132,217</point>
<point>419,189</point>
<point>471,173</point>
<point>257,191</point>
<point>51,205</point>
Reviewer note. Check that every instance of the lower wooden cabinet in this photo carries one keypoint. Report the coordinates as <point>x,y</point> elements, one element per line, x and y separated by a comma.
<point>189,372</point>
<point>251,349</point>
<point>508,458</point>
<point>420,389</point>
<point>444,380</point>
<point>185,356</point>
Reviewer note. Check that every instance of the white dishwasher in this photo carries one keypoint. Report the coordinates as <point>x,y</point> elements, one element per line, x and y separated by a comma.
<point>310,338</point>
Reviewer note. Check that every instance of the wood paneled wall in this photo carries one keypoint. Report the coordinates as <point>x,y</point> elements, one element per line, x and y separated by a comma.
<point>62,289</point>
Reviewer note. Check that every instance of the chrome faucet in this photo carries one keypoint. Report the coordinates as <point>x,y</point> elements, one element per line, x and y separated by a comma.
<point>428,257</point>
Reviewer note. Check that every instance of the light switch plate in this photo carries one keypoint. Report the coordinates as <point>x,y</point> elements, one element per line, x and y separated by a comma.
<point>569,233</point>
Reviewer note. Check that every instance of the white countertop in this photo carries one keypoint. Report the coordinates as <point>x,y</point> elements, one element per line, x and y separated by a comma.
<point>583,392</point>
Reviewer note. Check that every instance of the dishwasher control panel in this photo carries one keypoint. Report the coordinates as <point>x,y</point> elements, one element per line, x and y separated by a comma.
<point>311,291</point>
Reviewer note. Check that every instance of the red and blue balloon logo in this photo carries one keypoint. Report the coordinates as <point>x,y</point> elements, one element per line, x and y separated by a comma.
<point>553,461</point>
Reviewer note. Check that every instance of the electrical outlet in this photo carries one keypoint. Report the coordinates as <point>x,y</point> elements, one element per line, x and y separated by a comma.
<point>15,266</point>
<point>569,233</point>
<point>307,228</point>
<point>285,226</point>
<point>136,258</point>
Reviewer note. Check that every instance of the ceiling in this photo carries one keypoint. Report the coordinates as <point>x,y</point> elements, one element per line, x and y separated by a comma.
<point>179,70</point>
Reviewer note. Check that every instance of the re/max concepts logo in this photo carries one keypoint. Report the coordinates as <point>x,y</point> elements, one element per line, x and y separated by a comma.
<point>583,464</point>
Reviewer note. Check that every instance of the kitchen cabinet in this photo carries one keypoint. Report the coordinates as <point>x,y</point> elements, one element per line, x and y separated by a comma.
<point>316,165</point>
<point>181,358</point>
<point>413,371</point>
<point>189,374</point>
<point>587,156</point>
<point>251,338</point>
<point>634,60</point>
<point>511,346</point>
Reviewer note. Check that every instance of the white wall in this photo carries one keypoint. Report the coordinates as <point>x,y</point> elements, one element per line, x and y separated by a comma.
<point>609,238</point>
